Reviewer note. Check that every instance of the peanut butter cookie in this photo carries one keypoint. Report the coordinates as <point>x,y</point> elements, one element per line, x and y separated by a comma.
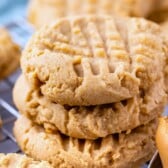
<point>162,139</point>
<point>161,5</point>
<point>9,54</point>
<point>159,16</point>
<point>118,150</point>
<point>42,12</point>
<point>160,11</point>
<point>14,160</point>
<point>75,60</point>
<point>164,27</point>
<point>88,122</point>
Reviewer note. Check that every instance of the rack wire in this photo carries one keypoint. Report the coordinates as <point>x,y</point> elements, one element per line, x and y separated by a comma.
<point>20,31</point>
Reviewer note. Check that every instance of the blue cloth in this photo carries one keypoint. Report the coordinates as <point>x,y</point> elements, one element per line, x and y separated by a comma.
<point>12,9</point>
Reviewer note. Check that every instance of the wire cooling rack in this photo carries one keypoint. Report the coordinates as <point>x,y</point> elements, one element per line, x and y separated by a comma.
<point>20,31</point>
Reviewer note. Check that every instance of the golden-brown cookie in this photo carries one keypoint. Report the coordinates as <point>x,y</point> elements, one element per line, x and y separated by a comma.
<point>160,11</point>
<point>9,54</point>
<point>14,160</point>
<point>166,75</point>
<point>162,139</point>
<point>159,16</point>
<point>161,5</point>
<point>42,12</point>
<point>164,26</point>
<point>87,122</point>
<point>75,60</point>
<point>118,150</point>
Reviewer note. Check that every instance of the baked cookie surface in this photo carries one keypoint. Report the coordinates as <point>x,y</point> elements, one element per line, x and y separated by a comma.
<point>54,9</point>
<point>75,60</point>
<point>118,150</point>
<point>14,160</point>
<point>87,122</point>
<point>9,54</point>
<point>164,26</point>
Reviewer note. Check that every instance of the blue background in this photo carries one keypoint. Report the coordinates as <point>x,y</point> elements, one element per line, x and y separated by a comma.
<point>12,9</point>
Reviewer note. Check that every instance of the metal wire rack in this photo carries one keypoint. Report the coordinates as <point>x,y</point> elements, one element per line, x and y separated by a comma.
<point>20,31</point>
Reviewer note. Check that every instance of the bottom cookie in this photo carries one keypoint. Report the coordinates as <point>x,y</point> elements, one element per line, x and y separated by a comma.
<point>125,150</point>
<point>14,160</point>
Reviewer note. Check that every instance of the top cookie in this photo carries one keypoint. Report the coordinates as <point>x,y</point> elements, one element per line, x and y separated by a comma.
<point>91,60</point>
<point>14,160</point>
<point>9,54</point>
<point>42,12</point>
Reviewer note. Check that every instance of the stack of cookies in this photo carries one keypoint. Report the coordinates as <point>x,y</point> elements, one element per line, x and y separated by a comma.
<point>91,92</point>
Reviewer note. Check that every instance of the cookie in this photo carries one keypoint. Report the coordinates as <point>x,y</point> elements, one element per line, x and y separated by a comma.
<point>14,160</point>
<point>75,60</point>
<point>162,5</point>
<point>118,150</point>
<point>87,122</point>
<point>160,12</point>
<point>9,54</point>
<point>164,27</point>
<point>159,16</point>
<point>161,140</point>
<point>42,12</point>
<point>52,9</point>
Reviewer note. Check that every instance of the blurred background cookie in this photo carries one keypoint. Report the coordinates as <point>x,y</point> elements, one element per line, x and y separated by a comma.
<point>9,54</point>
<point>160,12</point>
<point>159,16</point>
<point>21,161</point>
<point>162,140</point>
<point>42,12</point>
